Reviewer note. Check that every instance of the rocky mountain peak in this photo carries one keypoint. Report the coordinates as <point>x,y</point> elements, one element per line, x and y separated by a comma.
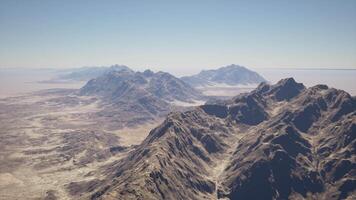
<point>148,73</point>
<point>285,89</point>
<point>232,67</point>
<point>118,67</point>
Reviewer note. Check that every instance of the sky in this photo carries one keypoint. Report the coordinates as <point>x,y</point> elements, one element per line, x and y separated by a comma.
<point>178,36</point>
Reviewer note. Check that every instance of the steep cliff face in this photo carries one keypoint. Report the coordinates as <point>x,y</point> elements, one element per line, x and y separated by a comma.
<point>280,141</point>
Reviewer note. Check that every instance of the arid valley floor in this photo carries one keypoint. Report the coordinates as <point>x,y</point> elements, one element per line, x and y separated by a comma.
<point>49,139</point>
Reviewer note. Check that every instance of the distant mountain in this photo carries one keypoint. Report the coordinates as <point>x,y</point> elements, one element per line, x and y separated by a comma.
<point>280,141</point>
<point>87,73</point>
<point>140,96</point>
<point>229,75</point>
<point>116,84</point>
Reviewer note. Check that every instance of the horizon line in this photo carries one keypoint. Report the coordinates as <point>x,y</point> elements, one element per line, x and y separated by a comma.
<point>254,68</point>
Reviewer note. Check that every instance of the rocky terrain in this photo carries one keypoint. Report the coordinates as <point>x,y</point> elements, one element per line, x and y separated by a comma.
<point>230,75</point>
<point>281,141</point>
<point>109,140</point>
<point>52,138</point>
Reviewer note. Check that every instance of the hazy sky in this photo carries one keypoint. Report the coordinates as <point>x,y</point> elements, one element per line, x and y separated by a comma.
<point>178,36</point>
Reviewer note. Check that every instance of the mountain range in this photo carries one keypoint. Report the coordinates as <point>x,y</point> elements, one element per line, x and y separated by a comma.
<point>282,141</point>
<point>231,75</point>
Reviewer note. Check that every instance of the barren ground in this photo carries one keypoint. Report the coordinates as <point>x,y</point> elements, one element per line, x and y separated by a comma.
<point>50,139</point>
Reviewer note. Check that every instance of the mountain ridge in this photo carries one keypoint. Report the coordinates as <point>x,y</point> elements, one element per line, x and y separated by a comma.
<point>255,146</point>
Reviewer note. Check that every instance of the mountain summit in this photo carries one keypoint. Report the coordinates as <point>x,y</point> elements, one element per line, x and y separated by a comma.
<point>229,75</point>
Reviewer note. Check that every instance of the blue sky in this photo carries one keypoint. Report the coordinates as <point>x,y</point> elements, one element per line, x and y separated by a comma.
<point>178,36</point>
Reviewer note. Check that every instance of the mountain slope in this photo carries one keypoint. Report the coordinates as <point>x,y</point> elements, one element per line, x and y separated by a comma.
<point>278,142</point>
<point>229,75</point>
